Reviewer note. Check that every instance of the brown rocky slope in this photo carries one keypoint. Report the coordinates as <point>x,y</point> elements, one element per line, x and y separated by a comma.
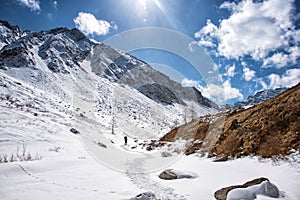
<point>269,129</point>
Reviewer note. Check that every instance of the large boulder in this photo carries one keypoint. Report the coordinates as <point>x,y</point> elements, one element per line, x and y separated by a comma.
<point>221,194</point>
<point>265,188</point>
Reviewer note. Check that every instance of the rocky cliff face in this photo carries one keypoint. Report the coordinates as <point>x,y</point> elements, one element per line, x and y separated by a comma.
<point>158,93</point>
<point>125,69</point>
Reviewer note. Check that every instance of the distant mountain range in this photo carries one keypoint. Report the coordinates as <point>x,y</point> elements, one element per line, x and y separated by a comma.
<point>259,97</point>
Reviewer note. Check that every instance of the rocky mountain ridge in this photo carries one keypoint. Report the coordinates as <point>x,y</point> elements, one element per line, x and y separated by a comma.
<point>61,48</point>
<point>9,33</point>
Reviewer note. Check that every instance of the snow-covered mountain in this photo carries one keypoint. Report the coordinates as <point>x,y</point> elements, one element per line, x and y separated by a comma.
<point>63,49</point>
<point>259,97</point>
<point>72,69</point>
<point>126,69</point>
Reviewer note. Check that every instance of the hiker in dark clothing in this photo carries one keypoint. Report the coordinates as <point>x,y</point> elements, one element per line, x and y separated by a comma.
<point>125,139</point>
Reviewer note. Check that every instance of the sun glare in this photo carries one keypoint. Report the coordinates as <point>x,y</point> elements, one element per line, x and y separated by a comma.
<point>145,8</point>
<point>143,4</point>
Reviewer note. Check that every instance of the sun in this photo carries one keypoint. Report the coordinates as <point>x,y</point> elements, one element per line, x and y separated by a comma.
<point>145,8</point>
<point>143,4</point>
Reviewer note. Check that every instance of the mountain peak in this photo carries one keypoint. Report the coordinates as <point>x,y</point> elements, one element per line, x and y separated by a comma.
<point>9,26</point>
<point>9,33</point>
<point>61,48</point>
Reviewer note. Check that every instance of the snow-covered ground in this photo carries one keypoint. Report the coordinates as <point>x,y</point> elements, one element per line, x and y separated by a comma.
<point>69,168</point>
<point>37,113</point>
<point>71,172</point>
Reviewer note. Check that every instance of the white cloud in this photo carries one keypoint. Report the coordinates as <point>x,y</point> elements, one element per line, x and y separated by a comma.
<point>207,43</point>
<point>229,5</point>
<point>248,74</point>
<point>221,93</point>
<point>262,83</point>
<point>206,34</point>
<point>289,79</point>
<point>230,71</point>
<point>34,5</point>
<point>210,29</point>
<point>278,60</point>
<point>295,53</point>
<point>218,93</point>
<point>55,4</point>
<point>89,25</point>
<point>50,16</point>
<point>191,46</point>
<point>254,28</point>
<point>189,83</point>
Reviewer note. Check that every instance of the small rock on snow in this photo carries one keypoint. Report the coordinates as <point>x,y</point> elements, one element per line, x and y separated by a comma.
<point>145,196</point>
<point>166,154</point>
<point>73,130</point>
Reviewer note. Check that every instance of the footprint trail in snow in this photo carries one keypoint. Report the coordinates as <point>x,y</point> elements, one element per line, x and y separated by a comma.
<point>142,180</point>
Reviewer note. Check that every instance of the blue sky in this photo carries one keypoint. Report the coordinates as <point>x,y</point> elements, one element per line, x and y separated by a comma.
<point>255,44</point>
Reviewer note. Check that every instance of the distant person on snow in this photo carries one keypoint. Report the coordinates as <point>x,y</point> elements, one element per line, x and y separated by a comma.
<point>125,139</point>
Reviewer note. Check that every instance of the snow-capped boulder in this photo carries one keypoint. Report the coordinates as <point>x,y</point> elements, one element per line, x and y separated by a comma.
<point>221,194</point>
<point>184,174</point>
<point>170,174</point>
<point>265,188</point>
